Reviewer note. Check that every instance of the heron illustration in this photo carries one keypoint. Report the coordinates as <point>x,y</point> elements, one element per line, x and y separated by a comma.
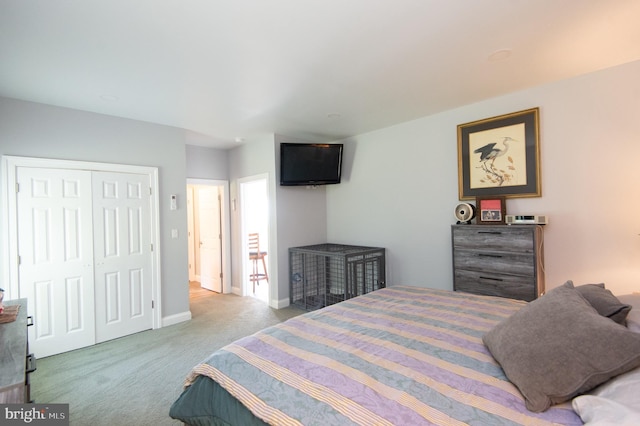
<point>490,152</point>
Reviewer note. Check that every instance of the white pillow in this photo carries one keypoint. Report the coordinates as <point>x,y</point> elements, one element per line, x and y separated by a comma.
<point>633,318</point>
<point>614,403</point>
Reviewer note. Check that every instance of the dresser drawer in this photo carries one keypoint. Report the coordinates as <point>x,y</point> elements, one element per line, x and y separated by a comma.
<point>493,238</point>
<point>489,284</point>
<point>494,262</point>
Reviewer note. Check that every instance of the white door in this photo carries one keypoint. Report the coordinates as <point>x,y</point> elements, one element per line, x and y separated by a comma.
<point>56,257</point>
<point>210,240</point>
<point>122,253</point>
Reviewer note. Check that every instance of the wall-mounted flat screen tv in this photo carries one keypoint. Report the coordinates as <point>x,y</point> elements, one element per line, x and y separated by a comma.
<point>310,164</point>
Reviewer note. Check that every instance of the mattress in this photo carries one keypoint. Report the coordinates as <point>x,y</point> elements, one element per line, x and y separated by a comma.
<point>397,356</point>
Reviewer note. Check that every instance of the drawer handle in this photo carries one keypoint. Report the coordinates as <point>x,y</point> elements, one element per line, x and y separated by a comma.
<point>490,232</point>
<point>489,255</point>
<point>491,278</point>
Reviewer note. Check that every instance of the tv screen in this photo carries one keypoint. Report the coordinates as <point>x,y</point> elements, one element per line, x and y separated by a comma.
<point>310,164</point>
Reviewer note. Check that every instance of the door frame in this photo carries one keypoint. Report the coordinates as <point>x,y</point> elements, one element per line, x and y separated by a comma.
<point>225,228</point>
<point>269,244</point>
<point>10,165</point>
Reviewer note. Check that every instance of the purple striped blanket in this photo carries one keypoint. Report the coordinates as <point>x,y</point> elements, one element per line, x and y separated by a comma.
<point>397,356</point>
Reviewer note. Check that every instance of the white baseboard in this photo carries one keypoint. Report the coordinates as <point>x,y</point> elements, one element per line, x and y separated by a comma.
<point>176,319</point>
<point>283,303</point>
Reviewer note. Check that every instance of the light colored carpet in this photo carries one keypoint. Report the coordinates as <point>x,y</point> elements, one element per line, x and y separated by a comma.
<point>135,379</point>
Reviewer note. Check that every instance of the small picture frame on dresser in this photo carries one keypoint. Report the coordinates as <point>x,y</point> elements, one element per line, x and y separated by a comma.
<point>491,210</point>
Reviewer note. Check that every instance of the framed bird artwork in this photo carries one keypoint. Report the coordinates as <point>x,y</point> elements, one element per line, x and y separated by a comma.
<point>500,156</point>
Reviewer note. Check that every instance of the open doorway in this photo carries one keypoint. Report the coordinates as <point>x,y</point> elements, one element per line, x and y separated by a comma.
<point>208,227</point>
<point>254,207</point>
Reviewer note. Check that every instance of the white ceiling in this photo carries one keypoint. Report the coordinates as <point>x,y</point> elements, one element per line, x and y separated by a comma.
<point>227,69</point>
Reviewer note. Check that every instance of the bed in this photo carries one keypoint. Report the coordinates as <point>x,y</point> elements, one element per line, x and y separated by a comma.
<point>400,355</point>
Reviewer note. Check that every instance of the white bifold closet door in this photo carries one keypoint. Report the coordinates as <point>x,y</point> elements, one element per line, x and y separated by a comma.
<point>85,256</point>
<point>122,254</point>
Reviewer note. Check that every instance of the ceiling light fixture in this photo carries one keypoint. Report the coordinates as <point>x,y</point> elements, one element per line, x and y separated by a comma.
<point>500,55</point>
<point>239,139</point>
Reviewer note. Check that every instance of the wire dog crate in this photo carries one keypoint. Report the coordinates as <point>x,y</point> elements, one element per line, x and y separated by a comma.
<point>325,274</point>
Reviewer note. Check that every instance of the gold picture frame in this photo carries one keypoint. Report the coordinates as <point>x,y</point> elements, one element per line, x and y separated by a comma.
<point>500,156</point>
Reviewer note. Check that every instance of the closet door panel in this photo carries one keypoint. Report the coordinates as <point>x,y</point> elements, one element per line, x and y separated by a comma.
<point>54,222</point>
<point>122,250</point>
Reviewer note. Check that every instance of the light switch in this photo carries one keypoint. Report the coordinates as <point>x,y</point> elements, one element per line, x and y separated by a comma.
<point>174,233</point>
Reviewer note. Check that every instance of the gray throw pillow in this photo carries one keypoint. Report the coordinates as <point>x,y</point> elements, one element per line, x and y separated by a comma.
<point>558,346</point>
<point>633,318</point>
<point>605,302</point>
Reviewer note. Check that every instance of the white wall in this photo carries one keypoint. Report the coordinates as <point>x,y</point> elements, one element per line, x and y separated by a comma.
<point>400,184</point>
<point>207,163</point>
<point>34,130</point>
<point>255,157</point>
<point>297,215</point>
<point>302,220</point>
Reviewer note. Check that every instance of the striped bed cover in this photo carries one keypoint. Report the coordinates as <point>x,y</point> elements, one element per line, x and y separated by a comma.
<point>397,356</point>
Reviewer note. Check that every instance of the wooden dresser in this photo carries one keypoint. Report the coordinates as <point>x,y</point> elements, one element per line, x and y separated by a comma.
<point>498,260</point>
<point>15,363</point>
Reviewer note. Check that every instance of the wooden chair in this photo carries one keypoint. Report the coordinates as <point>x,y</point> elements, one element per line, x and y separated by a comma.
<point>255,255</point>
